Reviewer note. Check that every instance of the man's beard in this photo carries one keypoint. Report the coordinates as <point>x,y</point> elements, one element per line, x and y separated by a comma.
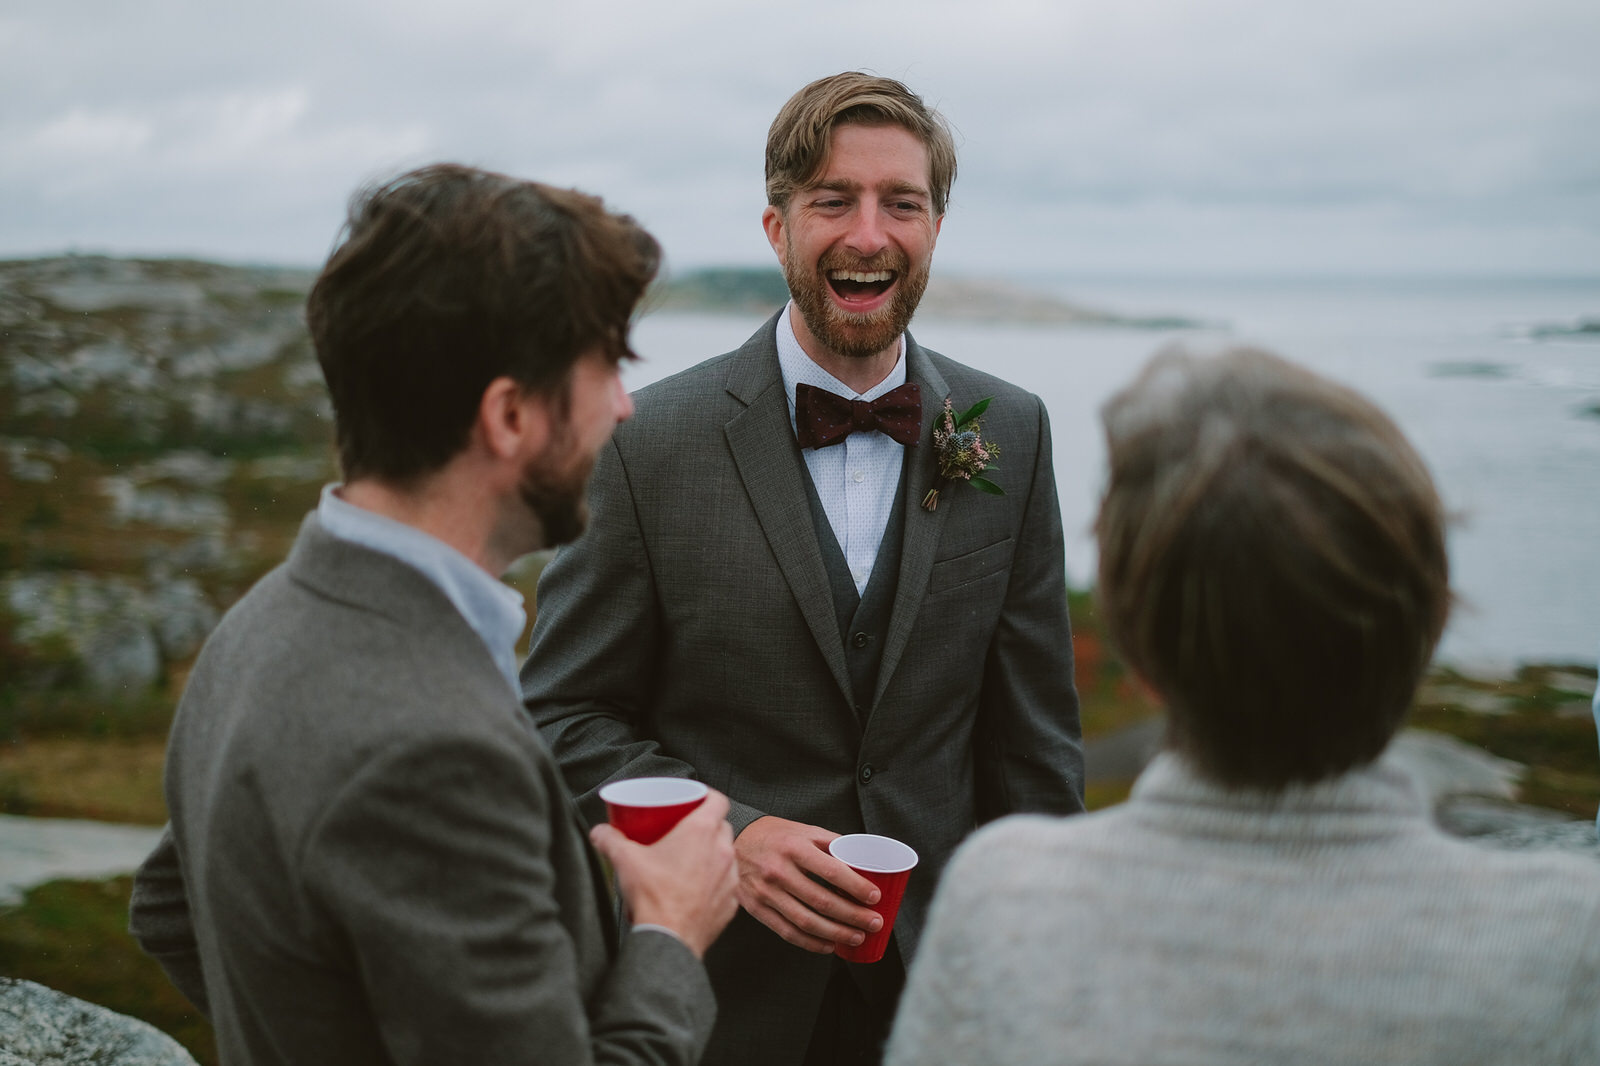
<point>558,500</point>
<point>855,336</point>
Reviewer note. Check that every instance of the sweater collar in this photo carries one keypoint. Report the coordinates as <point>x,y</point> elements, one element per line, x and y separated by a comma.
<point>1379,799</point>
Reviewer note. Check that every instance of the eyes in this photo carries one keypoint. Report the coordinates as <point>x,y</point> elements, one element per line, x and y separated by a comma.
<point>901,207</point>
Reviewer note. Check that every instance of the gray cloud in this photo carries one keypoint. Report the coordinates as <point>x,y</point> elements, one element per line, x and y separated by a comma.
<point>1143,136</point>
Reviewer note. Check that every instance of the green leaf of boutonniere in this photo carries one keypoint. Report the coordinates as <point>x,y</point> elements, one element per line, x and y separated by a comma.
<point>983,484</point>
<point>973,412</point>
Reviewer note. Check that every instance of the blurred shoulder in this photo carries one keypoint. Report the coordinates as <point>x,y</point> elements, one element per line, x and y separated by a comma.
<point>1016,843</point>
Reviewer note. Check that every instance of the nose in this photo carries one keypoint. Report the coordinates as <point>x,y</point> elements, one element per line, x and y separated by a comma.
<point>867,236</point>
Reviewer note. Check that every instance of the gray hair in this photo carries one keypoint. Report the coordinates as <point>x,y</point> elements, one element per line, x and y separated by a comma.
<point>1272,563</point>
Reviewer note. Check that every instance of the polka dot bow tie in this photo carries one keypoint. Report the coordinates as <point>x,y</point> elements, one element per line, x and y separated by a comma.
<point>823,418</point>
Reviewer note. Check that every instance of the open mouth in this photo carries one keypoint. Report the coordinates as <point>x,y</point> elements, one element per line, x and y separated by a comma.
<point>860,286</point>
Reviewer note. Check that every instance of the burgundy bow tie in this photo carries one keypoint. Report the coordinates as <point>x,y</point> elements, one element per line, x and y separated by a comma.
<point>823,418</point>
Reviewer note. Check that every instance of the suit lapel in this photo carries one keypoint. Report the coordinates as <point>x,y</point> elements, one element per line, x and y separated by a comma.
<point>761,440</point>
<point>922,528</point>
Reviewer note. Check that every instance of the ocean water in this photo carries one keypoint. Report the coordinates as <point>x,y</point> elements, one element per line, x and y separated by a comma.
<point>1508,421</point>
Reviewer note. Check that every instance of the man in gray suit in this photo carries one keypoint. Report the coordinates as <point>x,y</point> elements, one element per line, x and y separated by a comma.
<point>372,857</point>
<point>775,605</point>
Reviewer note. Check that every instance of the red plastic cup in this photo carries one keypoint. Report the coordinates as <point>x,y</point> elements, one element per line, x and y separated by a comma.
<point>646,808</point>
<point>887,863</point>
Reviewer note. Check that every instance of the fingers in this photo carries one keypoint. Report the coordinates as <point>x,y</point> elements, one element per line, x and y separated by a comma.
<point>791,933</point>
<point>828,903</point>
<point>607,840</point>
<point>798,923</point>
<point>841,877</point>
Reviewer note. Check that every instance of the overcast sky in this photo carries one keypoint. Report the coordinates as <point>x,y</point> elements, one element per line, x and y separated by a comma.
<point>1097,137</point>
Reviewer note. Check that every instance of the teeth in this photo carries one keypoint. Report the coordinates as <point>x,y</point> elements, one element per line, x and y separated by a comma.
<point>861,277</point>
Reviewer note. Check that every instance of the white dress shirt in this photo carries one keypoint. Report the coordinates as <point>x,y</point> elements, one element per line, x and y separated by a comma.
<point>855,480</point>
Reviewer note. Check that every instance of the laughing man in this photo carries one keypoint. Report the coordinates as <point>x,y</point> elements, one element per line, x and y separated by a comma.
<point>770,602</point>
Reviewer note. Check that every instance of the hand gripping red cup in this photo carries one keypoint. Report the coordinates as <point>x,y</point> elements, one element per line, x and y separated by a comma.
<point>887,863</point>
<point>646,808</point>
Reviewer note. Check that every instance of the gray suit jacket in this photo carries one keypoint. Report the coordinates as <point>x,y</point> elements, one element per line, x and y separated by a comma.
<point>373,859</point>
<point>691,632</point>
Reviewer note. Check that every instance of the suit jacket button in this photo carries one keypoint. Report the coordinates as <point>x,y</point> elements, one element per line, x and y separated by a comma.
<point>860,640</point>
<point>866,773</point>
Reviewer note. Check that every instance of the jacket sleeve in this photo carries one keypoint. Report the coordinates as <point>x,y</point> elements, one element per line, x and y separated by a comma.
<point>1029,742</point>
<point>159,919</point>
<point>436,865</point>
<point>589,679</point>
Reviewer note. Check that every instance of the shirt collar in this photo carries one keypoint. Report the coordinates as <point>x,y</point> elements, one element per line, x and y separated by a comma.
<point>798,368</point>
<point>492,608</point>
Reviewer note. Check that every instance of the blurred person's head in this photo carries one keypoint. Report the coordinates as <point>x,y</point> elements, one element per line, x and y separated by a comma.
<point>1272,564</point>
<point>449,278</point>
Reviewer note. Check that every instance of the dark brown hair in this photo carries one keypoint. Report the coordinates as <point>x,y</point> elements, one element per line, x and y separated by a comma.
<point>449,277</point>
<point>801,135</point>
<point>1272,562</point>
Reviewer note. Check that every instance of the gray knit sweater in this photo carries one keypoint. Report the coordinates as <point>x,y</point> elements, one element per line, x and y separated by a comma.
<point>1196,925</point>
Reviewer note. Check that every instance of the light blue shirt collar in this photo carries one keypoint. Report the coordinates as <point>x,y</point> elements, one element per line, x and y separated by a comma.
<point>493,609</point>
<point>798,368</point>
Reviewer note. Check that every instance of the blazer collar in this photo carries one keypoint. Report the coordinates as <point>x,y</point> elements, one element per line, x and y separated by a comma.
<point>767,456</point>
<point>922,527</point>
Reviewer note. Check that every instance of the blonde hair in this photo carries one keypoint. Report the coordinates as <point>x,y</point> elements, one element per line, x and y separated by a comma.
<point>801,135</point>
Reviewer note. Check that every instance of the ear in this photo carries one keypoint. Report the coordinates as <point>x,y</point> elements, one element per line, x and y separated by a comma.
<point>511,420</point>
<point>772,221</point>
<point>938,224</point>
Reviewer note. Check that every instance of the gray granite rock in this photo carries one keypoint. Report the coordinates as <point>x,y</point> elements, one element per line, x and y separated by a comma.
<point>119,632</point>
<point>42,1027</point>
<point>1514,827</point>
<point>181,616</point>
<point>162,508</point>
<point>1446,767</point>
<point>1472,792</point>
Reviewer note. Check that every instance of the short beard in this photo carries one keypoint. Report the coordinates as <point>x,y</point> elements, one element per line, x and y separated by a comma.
<point>855,336</point>
<point>558,500</point>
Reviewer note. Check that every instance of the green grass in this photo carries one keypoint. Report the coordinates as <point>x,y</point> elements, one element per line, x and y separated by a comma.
<point>72,936</point>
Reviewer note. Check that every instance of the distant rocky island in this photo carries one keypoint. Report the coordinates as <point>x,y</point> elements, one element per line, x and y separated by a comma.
<point>759,290</point>
<point>1582,329</point>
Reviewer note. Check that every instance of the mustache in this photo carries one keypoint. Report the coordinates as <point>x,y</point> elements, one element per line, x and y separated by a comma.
<point>888,259</point>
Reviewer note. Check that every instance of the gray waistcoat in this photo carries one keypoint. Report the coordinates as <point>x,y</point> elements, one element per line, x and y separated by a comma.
<point>863,618</point>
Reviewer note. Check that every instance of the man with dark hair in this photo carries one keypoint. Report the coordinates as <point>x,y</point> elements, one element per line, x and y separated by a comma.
<point>789,611</point>
<point>372,857</point>
<point>1272,564</point>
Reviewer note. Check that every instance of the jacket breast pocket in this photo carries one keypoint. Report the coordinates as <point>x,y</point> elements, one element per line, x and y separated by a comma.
<point>973,566</point>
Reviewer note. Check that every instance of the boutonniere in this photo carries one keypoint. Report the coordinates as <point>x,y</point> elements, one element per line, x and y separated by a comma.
<point>962,452</point>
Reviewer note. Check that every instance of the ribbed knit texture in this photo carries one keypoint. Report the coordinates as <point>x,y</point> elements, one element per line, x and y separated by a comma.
<point>1329,924</point>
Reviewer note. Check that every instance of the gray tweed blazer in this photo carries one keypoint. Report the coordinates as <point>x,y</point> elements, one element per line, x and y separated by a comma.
<point>372,858</point>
